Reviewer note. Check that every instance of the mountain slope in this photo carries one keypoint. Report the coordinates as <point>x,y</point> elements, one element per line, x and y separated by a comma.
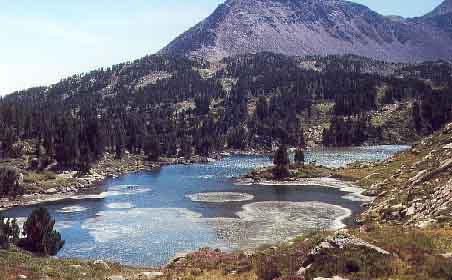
<point>441,17</point>
<point>306,27</point>
<point>443,9</point>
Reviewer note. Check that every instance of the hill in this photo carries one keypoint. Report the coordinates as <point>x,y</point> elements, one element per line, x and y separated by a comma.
<point>178,107</point>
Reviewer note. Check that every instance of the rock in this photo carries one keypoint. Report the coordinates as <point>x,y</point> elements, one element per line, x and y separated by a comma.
<point>77,266</point>
<point>116,277</point>
<point>51,191</point>
<point>102,264</point>
<point>448,128</point>
<point>22,277</point>
<point>410,211</point>
<point>152,275</point>
<point>334,278</point>
<point>302,270</point>
<point>342,240</point>
<point>398,207</point>
<point>445,164</point>
<point>364,228</point>
<point>418,176</point>
<point>448,146</point>
<point>425,223</point>
<point>447,256</point>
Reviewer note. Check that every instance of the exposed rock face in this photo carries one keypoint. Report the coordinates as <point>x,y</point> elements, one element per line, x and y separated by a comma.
<point>419,192</point>
<point>304,27</point>
<point>342,240</point>
<point>444,9</point>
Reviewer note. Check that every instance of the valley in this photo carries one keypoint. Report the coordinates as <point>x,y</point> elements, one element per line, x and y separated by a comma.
<point>274,140</point>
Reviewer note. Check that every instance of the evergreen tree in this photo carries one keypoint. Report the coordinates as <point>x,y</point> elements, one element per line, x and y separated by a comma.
<point>186,150</point>
<point>152,147</point>
<point>299,156</point>
<point>4,230</point>
<point>40,234</point>
<point>281,162</point>
<point>10,182</point>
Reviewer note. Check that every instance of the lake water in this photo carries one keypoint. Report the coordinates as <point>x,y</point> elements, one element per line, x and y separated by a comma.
<point>146,218</point>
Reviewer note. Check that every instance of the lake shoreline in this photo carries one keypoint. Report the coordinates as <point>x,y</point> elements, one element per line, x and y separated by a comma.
<point>108,168</point>
<point>89,183</point>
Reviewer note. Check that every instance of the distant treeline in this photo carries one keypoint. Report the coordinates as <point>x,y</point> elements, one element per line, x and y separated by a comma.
<point>174,106</point>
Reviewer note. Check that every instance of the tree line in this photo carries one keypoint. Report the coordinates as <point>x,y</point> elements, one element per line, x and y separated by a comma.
<point>126,109</point>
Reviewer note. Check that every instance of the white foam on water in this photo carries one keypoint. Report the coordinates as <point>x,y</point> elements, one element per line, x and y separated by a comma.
<point>206,176</point>
<point>59,225</point>
<point>257,223</point>
<point>220,197</point>
<point>138,223</point>
<point>115,191</point>
<point>72,209</point>
<point>125,205</point>
<point>272,221</point>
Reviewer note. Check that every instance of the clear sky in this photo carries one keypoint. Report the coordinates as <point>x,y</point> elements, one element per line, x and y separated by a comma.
<point>42,41</point>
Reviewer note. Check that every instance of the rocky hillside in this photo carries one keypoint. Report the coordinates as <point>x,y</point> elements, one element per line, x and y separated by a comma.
<point>414,187</point>
<point>308,27</point>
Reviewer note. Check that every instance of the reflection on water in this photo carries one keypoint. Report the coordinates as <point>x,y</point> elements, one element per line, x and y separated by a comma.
<point>146,218</point>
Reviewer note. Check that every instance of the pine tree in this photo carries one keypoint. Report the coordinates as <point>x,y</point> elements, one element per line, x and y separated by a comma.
<point>152,147</point>
<point>299,156</point>
<point>281,162</point>
<point>41,237</point>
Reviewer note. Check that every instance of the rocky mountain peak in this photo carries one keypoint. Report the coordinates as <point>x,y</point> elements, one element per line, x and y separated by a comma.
<point>444,8</point>
<point>312,27</point>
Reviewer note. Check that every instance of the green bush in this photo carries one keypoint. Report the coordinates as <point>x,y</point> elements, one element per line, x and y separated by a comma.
<point>9,232</point>
<point>266,268</point>
<point>10,182</point>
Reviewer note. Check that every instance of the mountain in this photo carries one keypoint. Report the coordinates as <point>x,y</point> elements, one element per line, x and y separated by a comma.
<point>444,8</point>
<point>441,17</point>
<point>320,27</point>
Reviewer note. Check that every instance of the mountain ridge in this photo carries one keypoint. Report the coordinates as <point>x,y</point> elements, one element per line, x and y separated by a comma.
<point>314,28</point>
<point>444,8</point>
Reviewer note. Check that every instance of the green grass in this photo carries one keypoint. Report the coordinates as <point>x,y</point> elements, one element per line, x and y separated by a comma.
<point>14,263</point>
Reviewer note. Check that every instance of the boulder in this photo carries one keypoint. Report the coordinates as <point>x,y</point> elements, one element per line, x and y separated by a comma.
<point>151,275</point>
<point>411,211</point>
<point>448,146</point>
<point>102,264</point>
<point>116,277</point>
<point>448,128</point>
<point>75,266</point>
<point>302,271</point>
<point>51,191</point>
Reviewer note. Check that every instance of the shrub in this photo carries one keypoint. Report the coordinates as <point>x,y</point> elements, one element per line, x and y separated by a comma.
<point>9,232</point>
<point>10,180</point>
<point>266,268</point>
<point>299,157</point>
<point>40,236</point>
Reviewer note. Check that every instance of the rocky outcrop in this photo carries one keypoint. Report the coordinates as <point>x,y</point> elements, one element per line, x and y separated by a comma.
<point>342,240</point>
<point>419,191</point>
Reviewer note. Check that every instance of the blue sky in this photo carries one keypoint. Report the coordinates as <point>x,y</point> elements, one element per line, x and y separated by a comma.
<point>46,40</point>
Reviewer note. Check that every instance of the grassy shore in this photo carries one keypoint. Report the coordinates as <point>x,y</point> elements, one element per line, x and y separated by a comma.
<point>17,264</point>
<point>380,252</point>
